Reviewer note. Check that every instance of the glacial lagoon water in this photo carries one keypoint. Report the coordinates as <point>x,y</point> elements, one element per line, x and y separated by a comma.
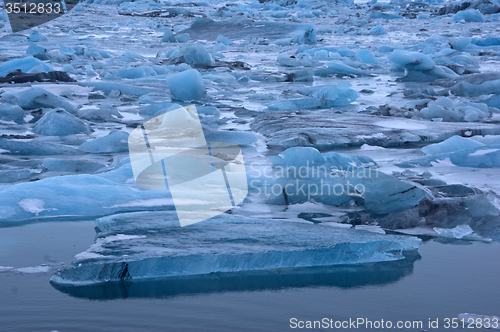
<point>442,281</point>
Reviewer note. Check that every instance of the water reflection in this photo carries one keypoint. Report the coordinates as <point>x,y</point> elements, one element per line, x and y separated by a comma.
<point>344,276</point>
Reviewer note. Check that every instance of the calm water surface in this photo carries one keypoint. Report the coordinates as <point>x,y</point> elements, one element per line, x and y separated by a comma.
<point>444,281</point>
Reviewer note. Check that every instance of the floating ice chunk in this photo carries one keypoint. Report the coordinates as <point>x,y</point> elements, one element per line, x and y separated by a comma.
<point>223,40</point>
<point>461,152</point>
<point>182,38</point>
<point>69,165</point>
<point>446,109</point>
<point>36,36</point>
<point>489,41</point>
<point>366,56</point>
<point>460,44</point>
<point>125,89</point>
<point>131,57</point>
<point>469,15</point>
<point>306,36</point>
<point>345,69</point>
<point>197,55</point>
<point>26,65</point>
<point>34,49</point>
<point>81,195</point>
<point>186,85</point>
<point>452,144</point>
<point>411,60</point>
<point>301,59</point>
<point>248,245</point>
<point>34,269</point>
<point>12,113</point>
<point>104,114</point>
<point>493,101</point>
<point>419,67</point>
<point>115,142</point>
<point>58,122</point>
<point>37,97</point>
<point>9,176</point>
<point>467,89</point>
<point>386,16</point>
<point>306,175</point>
<point>458,232</point>
<point>136,72</point>
<point>67,51</point>
<point>168,37</point>
<point>35,148</point>
<point>333,95</point>
<point>378,30</point>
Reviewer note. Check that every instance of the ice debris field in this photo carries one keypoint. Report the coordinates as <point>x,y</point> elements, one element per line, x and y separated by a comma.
<point>363,126</point>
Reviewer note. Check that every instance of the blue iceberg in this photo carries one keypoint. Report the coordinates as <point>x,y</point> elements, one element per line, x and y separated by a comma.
<point>58,122</point>
<point>146,245</point>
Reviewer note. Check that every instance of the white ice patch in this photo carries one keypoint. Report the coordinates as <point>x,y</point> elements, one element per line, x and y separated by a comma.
<point>34,269</point>
<point>366,147</point>
<point>88,255</point>
<point>4,151</point>
<point>483,152</point>
<point>401,124</point>
<point>442,163</point>
<point>458,232</point>
<point>33,205</point>
<point>5,268</point>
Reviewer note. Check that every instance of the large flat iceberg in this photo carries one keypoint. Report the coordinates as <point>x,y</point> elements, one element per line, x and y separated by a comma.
<point>145,245</point>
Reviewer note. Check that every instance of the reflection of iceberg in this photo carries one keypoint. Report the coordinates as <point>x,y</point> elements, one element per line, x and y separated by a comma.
<point>147,245</point>
<point>343,276</point>
<point>205,179</point>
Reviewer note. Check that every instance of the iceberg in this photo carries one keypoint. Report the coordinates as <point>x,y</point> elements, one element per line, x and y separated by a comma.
<point>196,55</point>
<point>12,113</point>
<point>469,15</point>
<point>168,37</point>
<point>26,65</point>
<point>419,67</point>
<point>461,152</point>
<point>448,110</point>
<point>79,196</point>
<point>140,246</point>
<point>186,85</point>
<point>36,98</point>
<point>337,179</point>
<point>27,148</point>
<point>115,142</point>
<point>58,122</point>
<point>378,30</point>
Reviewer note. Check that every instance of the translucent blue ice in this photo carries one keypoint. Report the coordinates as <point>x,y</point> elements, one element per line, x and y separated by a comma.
<point>26,65</point>
<point>36,98</point>
<point>146,245</point>
<point>186,85</point>
<point>114,142</point>
<point>469,15</point>
<point>58,122</point>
